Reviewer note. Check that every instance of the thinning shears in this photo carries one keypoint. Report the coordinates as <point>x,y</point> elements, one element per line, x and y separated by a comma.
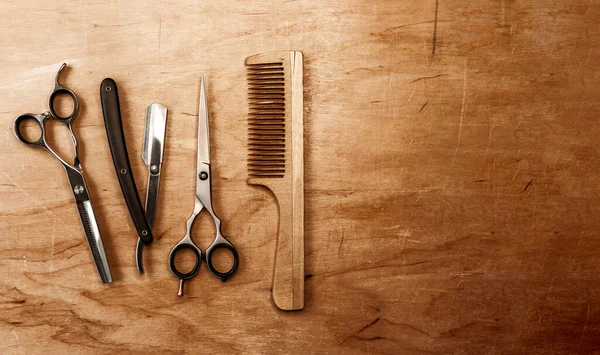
<point>74,171</point>
<point>203,201</point>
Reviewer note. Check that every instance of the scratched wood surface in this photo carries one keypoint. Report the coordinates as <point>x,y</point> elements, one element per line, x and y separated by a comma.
<point>451,174</point>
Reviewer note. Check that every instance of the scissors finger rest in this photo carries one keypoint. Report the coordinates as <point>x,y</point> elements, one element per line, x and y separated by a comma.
<point>61,90</point>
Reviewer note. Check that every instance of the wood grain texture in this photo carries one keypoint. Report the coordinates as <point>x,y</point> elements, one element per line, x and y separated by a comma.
<point>451,177</point>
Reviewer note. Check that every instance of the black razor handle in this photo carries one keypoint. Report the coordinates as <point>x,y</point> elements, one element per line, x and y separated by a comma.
<point>109,96</point>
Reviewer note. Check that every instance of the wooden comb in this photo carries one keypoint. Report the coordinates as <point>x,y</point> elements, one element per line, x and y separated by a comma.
<point>276,161</point>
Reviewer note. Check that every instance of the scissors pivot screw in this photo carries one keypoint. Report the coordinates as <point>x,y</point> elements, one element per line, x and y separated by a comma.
<point>154,169</point>
<point>203,175</point>
<point>78,189</point>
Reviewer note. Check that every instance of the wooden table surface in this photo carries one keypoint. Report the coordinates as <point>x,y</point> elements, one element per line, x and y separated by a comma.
<point>451,176</point>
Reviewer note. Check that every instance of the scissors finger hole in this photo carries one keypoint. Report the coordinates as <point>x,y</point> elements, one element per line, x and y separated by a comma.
<point>222,260</point>
<point>28,129</point>
<point>63,104</point>
<point>222,249</point>
<point>185,261</point>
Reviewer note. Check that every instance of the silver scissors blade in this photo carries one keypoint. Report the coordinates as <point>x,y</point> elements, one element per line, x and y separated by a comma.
<point>203,133</point>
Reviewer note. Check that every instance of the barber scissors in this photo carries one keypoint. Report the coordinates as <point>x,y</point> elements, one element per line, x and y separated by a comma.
<point>203,202</point>
<point>74,171</point>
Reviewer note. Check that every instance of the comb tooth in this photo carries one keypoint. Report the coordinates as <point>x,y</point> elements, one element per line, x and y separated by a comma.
<point>261,101</point>
<point>274,97</point>
<point>262,121</point>
<point>265,76</point>
<point>264,165</point>
<point>259,83</point>
<point>266,160</point>
<point>267,167</point>
<point>266,82</point>
<point>263,149</point>
<point>267,109</point>
<point>269,141</point>
<point>267,171</point>
<point>257,95</point>
<point>265,175</point>
<point>265,133</point>
<point>265,68</point>
<point>257,111</point>
<point>267,105</point>
<point>259,114</point>
<point>266,86</point>
<point>275,100</point>
<point>258,88</point>
<point>270,71</point>
<point>262,145</point>
<point>269,128</point>
<point>264,93</point>
<point>259,105</point>
<point>269,154</point>
<point>263,64</point>
<point>269,132</point>
<point>265,121</point>
<point>266,145</point>
<point>257,140</point>
<point>263,142</point>
<point>274,125</point>
<point>265,96</point>
<point>279,100</point>
<point>271,125</point>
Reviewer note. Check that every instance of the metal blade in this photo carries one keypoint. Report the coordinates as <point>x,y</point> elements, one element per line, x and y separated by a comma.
<point>154,135</point>
<point>90,226</point>
<point>203,133</point>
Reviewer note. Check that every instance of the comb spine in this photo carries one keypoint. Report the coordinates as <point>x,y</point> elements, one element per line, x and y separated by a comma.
<point>297,180</point>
